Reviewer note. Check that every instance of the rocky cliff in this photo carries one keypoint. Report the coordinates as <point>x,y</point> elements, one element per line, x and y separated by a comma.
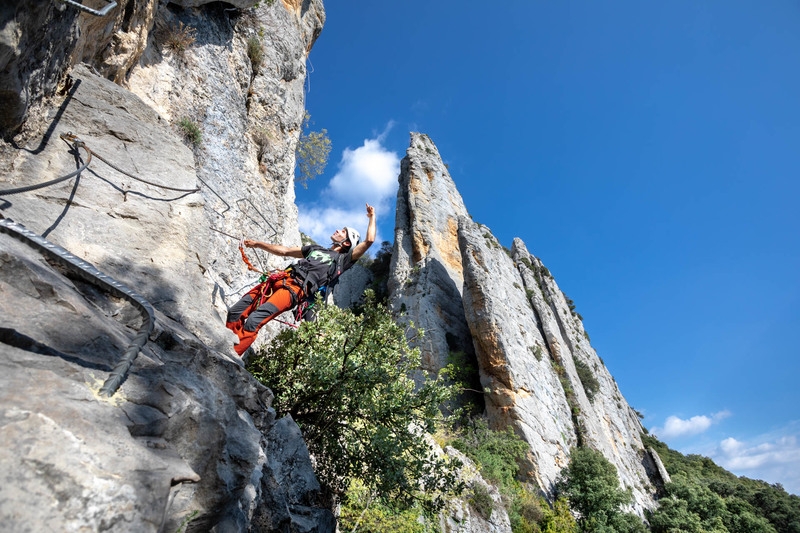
<point>184,121</point>
<point>174,127</point>
<point>452,278</point>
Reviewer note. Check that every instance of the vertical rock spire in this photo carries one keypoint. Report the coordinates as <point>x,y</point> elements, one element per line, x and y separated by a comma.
<point>426,274</point>
<point>539,373</point>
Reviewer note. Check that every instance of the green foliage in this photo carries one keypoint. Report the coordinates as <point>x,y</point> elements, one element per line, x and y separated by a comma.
<point>560,520</point>
<point>345,380</point>
<point>591,485</point>
<point>537,351</point>
<point>590,384</point>
<point>462,372</point>
<point>380,271</point>
<point>363,512</point>
<point>190,130</point>
<point>704,497</point>
<point>495,452</point>
<point>188,518</point>
<point>255,52</point>
<point>313,150</point>
<point>570,304</point>
<point>480,500</point>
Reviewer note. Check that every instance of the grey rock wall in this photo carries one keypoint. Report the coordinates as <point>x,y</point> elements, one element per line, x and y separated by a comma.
<point>604,420</point>
<point>524,391</point>
<point>250,115</point>
<point>426,278</point>
<point>461,517</point>
<point>451,276</point>
<point>189,439</point>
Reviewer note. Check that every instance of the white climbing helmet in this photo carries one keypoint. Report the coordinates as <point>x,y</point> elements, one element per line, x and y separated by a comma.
<point>353,236</point>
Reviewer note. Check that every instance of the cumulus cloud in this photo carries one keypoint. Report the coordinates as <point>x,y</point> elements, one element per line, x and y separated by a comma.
<point>678,427</point>
<point>366,174</point>
<point>771,458</point>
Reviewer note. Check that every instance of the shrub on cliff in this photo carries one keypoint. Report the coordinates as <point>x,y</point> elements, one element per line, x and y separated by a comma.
<point>591,485</point>
<point>345,380</point>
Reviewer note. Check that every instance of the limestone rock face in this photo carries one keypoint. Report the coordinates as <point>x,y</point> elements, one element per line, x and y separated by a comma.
<point>604,420</point>
<point>525,392</point>
<point>188,439</point>
<point>139,233</point>
<point>241,84</point>
<point>29,70</point>
<point>542,376</point>
<point>426,278</point>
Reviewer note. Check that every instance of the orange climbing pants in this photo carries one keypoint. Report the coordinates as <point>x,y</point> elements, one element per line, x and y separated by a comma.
<point>261,304</point>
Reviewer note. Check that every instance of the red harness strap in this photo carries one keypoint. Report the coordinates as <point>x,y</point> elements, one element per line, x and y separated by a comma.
<point>263,290</point>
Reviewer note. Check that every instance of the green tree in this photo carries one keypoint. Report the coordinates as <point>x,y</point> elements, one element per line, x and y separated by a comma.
<point>345,380</point>
<point>707,495</point>
<point>673,516</point>
<point>591,485</point>
<point>495,452</point>
<point>313,149</point>
<point>559,520</point>
<point>361,511</point>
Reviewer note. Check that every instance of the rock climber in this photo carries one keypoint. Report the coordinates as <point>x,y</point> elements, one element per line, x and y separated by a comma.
<point>318,267</point>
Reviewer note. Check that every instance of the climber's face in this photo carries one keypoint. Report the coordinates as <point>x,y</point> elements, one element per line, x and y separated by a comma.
<point>339,236</point>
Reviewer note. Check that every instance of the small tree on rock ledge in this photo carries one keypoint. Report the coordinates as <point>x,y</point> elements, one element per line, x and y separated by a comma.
<point>345,380</point>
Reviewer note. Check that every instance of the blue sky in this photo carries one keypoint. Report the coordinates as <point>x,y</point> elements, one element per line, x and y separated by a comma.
<point>647,152</point>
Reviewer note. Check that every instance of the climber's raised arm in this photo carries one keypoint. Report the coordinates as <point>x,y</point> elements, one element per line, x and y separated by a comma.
<point>362,247</point>
<point>277,249</point>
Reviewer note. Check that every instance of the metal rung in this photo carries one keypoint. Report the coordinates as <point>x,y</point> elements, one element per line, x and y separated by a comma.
<point>101,13</point>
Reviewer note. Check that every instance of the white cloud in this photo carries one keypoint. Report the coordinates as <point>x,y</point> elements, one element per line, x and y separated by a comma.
<point>677,427</point>
<point>367,174</point>
<point>771,458</point>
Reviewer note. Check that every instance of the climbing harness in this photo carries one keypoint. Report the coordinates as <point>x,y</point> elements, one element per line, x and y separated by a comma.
<point>266,287</point>
<point>91,274</point>
<point>98,13</point>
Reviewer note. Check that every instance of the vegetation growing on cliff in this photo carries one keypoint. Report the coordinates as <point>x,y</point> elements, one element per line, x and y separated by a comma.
<point>497,455</point>
<point>345,379</point>
<point>590,484</point>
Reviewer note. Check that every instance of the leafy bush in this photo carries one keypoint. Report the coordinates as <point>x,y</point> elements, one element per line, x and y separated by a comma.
<point>255,52</point>
<point>481,500</point>
<point>361,511</point>
<point>380,271</point>
<point>345,380</point>
<point>495,452</point>
<point>313,150</point>
<point>591,485</point>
